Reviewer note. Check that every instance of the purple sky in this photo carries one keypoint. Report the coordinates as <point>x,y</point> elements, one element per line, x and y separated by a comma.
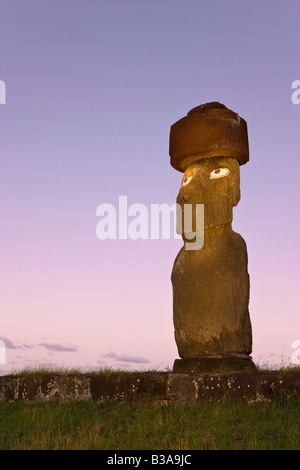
<point>92,88</point>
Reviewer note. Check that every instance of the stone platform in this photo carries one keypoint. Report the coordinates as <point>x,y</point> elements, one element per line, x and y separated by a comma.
<point>151,387</point>
<point>200,365</point>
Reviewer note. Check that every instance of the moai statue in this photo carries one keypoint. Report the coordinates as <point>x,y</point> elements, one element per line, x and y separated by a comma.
<point>211,281</point>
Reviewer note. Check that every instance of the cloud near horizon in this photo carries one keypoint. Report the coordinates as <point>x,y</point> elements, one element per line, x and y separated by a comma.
<point>61,347</point>
<point>125,358</point>
<point>9,344</point>
<point>69,347</point>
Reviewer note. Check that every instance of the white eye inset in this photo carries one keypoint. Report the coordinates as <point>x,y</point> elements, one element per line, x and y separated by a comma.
<point>186,180</point>
<point>219,173</point>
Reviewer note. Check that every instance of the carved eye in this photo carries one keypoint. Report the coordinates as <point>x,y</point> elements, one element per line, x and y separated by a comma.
<point>219,173</point>
<point>186,180</point>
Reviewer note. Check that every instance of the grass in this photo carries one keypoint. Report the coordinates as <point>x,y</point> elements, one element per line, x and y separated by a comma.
<point>45,369</point>
<point>283,366</point>
<point>86,425</point>
<point>58,370</point>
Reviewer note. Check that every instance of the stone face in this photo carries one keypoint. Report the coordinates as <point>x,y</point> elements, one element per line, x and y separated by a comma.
<point>207,131</point>
<point>211,284</point>
<point>203,183</point>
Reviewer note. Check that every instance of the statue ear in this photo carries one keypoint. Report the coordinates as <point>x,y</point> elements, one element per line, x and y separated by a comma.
<point>236,195</point>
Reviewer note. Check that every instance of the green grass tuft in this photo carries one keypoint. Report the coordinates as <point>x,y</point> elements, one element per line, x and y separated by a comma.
<point>87,425</point>
<point>45,369</point>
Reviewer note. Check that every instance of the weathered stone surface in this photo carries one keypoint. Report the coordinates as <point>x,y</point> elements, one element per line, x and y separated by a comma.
<point>211,284</point>
<point>129,387</point>
<point>210,297</point>
<point>9,388</point>
<point>252,387</point>
<point>219,195</point>
<point>161,387</point>
<point>182,388</point>
<point>38,387</point>
<point>209,130</point>
<point>202,365</point>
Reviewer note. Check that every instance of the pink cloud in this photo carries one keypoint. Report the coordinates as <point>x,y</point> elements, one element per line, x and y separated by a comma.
<point>60,346</point>
<point>125,358</point>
